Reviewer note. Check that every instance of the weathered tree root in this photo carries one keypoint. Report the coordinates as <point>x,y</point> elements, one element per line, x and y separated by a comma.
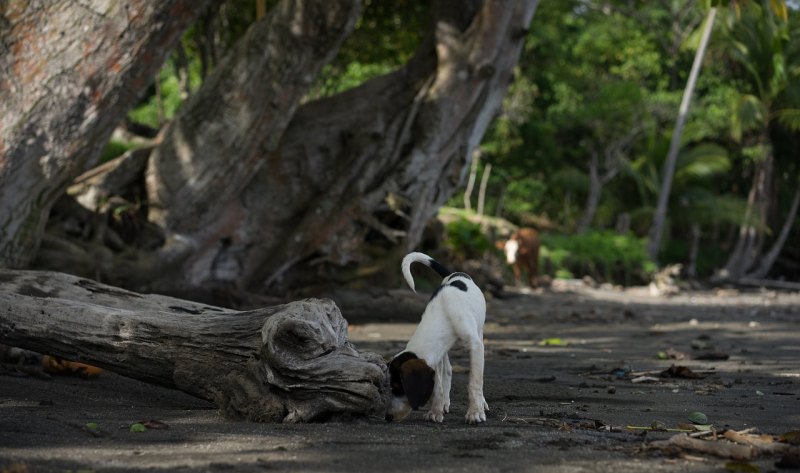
<point>286,363</point>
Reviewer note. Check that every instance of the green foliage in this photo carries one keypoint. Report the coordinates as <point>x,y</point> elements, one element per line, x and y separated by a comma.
<point>466,239</point>
<point>354,74</point>
<point>385,37</point>
<point>147,112</point>
<point>115,148</point>
<point>605,256</point>
<point>524,196</point>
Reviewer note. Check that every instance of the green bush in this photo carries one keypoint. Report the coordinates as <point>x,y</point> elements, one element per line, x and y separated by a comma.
<point>603,255</point>
<point>465,239</point>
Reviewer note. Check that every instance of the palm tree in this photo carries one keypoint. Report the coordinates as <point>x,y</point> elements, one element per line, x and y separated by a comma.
<point>660,214</point>
<point>760,40</point>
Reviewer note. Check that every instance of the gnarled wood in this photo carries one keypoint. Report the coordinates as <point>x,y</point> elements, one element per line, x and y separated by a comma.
<point>69,71</point>
<point>398,145</point>
<point>284,363</point>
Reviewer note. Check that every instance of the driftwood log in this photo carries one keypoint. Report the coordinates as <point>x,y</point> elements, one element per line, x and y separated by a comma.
<point>287,363</point>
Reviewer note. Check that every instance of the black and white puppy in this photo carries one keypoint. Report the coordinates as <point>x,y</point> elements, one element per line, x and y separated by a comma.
<point>422,372</point>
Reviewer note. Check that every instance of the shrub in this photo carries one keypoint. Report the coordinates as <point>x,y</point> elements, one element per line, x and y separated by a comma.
<point>465,239</point>
<point>603,255</point>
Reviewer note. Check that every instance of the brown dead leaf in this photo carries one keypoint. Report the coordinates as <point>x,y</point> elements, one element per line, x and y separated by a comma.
<point>680,371</point>
<point>721,449</point>
<point>56,365</point>
<point>675,354</point>
<point>154,424</point>
<point>792,438</point>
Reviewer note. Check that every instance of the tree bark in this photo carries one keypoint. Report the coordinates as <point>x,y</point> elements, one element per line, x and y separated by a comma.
<point>215,144</point>
<point>487,171</point>
<point>769,258</point>
<point>660,215</point>
<point>596,184</point>
<point>243,197</point>
<point>473,174</point>
<point>751,232</point>
<point>399,144</point>
<point>286,363</point>
<point>593,196</point>
<point>68,74</point>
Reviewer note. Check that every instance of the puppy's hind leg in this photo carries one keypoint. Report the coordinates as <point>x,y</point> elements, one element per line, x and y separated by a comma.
<point>436,414</point>
<point>476,411</point>
<point>447,378</point>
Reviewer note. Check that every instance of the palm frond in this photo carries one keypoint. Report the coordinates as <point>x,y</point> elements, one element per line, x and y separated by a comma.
<point>750,113</point>
<point>789,118</point>
<point>701,162</point>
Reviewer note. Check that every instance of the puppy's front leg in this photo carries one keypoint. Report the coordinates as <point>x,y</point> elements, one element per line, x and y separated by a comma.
<point>476,412</point>
<point>436,414</point>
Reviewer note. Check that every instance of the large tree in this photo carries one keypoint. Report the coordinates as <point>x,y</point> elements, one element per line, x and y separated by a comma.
<point>69,71</point>
<point>247,181</point>
<point>763,43</point>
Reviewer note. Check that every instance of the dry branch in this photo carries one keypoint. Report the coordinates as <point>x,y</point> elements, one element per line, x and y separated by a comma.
<point>284,363</point>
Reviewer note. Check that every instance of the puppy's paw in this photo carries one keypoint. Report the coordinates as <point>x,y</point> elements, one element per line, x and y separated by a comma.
<point>476,414</point>
<point>434,416</point>
<point>446,408</point>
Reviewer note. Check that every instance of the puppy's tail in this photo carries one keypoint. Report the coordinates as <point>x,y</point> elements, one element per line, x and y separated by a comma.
<point>424,259</point>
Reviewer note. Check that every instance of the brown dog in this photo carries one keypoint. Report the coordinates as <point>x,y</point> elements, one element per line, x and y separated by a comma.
<point>522,253</point>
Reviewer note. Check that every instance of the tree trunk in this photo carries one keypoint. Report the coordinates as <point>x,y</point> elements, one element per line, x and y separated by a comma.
<point>694,250</point>
<point>769,259</point>
<point>596,184</point>
<point>487,171</point>
<point>751,232</point>
<point>68,75</point>
<point>473,174</point>
<point>286,363</point>
<point>399,144</point>
<point>593,196</point>
<point>217,141</point>
<point>660,215</point>
<point>243,196</point>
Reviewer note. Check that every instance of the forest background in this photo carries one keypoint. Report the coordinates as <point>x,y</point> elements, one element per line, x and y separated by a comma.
<point>579,150</point>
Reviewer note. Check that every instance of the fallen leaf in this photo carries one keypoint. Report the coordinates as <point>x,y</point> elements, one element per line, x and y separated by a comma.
<point>15,468</point>
<point>741,467</point>
<point>154,424</point>
<point>698,418</point>
<point>675,354</point>
<point>792,437</point>
<point>658,425</point>
<point>56,365</point>
<point>679,371</point>
<point>137,427</point>
<point>552,342</point>
<point>91,425</point>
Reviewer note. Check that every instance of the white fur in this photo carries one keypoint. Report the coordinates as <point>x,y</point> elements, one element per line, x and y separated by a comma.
<point>511,249</point>
<point>452,316</point>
